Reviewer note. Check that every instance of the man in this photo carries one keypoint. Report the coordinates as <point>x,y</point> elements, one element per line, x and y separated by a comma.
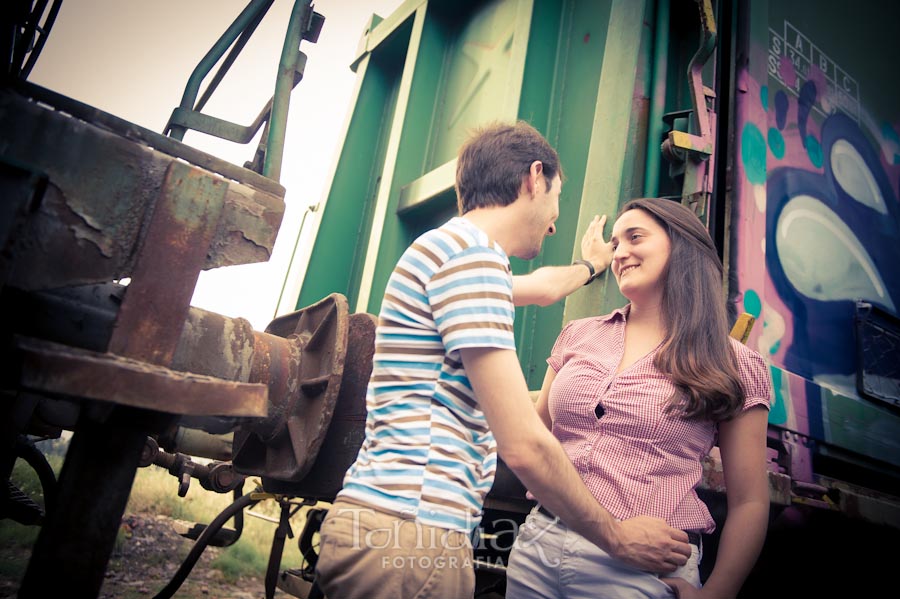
<point>447,393</point>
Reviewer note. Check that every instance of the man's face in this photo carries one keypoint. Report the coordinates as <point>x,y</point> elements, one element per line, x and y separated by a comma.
<point>544,215</point>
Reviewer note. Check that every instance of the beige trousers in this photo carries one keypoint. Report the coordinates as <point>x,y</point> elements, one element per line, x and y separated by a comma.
<point>366,553</point>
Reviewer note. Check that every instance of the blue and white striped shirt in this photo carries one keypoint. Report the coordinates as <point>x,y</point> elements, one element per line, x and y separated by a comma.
<point>429,453</point>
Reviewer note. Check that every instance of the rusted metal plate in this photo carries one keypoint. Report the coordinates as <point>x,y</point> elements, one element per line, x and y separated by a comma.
<point>156,303</point>
<point>59,370</point>
<point>865,504</point>
<point>291,583</point>
<point>287,443</point>
<point>347,429</point>
<point>247,229</point>
<point>21,190</point>
<point>102,188</point>
<point>119,201</point>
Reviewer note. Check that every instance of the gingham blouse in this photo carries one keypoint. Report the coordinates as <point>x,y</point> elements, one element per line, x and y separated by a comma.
<point>634,458</point>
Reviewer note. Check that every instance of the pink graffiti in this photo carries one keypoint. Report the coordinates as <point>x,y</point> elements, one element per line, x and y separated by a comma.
<point>786,71</point>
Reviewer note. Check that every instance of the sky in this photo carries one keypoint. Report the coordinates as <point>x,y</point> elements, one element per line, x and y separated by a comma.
<point>133,58</point>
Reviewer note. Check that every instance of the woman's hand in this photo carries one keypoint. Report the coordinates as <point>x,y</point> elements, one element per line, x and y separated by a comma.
<point>682,588</point>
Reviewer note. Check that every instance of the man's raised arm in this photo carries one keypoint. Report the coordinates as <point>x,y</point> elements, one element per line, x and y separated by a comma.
<point>549,284</point>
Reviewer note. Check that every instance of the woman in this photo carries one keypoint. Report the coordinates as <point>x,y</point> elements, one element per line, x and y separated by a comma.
<point>638,398</point>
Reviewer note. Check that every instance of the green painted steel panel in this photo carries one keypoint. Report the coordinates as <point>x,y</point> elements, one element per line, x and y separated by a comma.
<point>477,76</point>
<point>559,97</point>
<point>337,257</point>
<point>462,65</point>
<point>614,169</point>
<point>411,134</point>
<point>438,108</point>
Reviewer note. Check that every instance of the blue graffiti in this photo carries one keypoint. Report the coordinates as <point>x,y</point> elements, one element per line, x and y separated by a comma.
<point>781,109</point>
<point>804,106</point>
<point>832,239</point>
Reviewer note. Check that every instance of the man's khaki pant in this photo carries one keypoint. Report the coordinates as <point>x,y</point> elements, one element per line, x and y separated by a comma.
<point>366,553</point>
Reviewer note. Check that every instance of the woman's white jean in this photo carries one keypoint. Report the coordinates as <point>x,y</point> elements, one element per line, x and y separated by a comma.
<point>549,560</point>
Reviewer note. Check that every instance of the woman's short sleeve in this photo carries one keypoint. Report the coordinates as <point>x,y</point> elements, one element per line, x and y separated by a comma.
<point>755,378</point>
<point>555,361</point>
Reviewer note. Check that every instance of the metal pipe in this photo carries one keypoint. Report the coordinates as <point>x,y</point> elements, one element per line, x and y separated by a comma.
<point>202,444</point>
<point>200,545</point>
<point>655,125</point>
<point>284,84</point>
<point>309,208</point>
<point>695,69</point>
<point>245,36</point>
<point>35,458</point>
<point>41,39</point>
<point>212,57</point>
<point>230,349</point>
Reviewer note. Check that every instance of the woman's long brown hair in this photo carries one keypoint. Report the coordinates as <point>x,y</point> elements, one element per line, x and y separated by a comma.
<point>696,352</point>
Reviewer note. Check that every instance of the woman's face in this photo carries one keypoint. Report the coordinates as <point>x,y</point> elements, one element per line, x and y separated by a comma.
<point>642,250</point>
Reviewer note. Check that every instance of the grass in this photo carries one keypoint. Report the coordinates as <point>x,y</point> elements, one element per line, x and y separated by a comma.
<point>241,560</point>
<point>155,492</point>
<point>16,540</point>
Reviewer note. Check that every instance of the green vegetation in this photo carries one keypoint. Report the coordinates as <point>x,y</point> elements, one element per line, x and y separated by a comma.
<point>17,539</point>
<point>241,560</point>
<point>155,492</point>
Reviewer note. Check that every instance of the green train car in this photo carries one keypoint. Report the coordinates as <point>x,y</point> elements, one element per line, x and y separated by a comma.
<point>778,122</point>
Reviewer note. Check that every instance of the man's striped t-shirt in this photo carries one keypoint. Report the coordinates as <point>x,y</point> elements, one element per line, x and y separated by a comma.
<point>429,453</point>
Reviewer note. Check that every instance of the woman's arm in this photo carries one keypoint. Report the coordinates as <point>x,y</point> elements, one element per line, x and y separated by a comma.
<point>742,442</point>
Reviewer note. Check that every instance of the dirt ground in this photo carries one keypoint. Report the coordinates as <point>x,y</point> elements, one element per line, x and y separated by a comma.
<point>151,553</point>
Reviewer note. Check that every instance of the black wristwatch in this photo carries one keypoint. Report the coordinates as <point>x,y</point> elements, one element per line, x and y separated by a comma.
<point>590,268</point>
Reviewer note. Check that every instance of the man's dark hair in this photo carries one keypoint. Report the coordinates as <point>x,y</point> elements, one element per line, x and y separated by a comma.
<point>494,161</point>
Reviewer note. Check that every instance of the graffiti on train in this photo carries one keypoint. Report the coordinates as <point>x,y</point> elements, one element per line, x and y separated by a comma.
<point>827,189</point>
